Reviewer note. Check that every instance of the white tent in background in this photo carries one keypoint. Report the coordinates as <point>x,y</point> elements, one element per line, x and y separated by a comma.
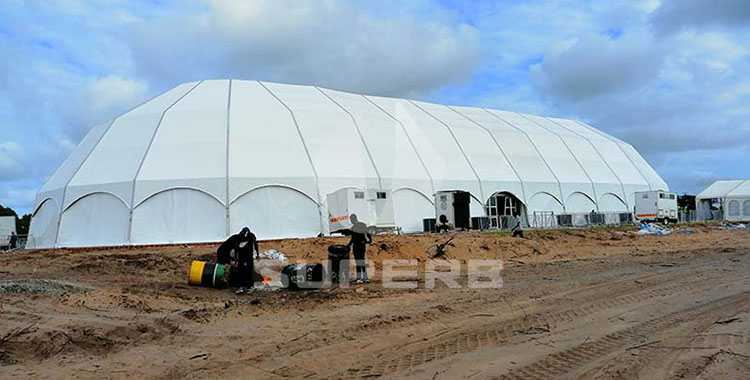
<point>206,158</point>
<point>724,200</point>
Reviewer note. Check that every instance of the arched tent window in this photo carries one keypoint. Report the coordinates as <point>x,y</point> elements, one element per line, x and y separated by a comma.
<point>180,215</point>
<point>542,209</point>
<point>44,225</point>
<point>98,219</point>
<point>410,208</point>
<point>746,208</point>
<point>503,205</point>
<point>275,212</point>
<point>579,202</point>
<point>733,208</point>
<point>544,202</point>
<point>609,202</point>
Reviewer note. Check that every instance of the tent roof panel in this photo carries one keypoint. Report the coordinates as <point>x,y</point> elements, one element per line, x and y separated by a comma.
<point>722,188</point>
<point>264,144</point>
<point>189,147</point>
<point>386,141</point>
<point>741,191</point>
<point>336,149</point>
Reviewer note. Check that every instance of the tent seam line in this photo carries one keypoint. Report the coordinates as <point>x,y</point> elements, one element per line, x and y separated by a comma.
<point>623,152</point>
<point>359,132</point>
<point>65,189</point>
<point>520,181</point>
<point>226,164</point>
<point>143,159</point>
<point>593,188</point>
<point>458,144</point>
<point>413,146</point>
<point>307,152</point>
<point>604,160</point>
<point>559,185</point>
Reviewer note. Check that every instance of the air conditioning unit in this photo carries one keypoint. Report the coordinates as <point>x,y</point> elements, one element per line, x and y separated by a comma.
<point>455,205</point>
<point>565,220</point>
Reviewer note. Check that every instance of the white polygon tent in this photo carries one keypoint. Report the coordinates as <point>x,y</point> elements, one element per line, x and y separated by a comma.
<point>724,200</point>
<point>207,158</point>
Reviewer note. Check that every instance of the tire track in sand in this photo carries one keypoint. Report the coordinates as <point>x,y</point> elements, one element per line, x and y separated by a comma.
<point>490,335</point>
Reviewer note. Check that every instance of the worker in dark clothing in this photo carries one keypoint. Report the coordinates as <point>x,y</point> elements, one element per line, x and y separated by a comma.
<point>242,244</point>
<point>443,225</point>
<point>224,252</point>
<point>517,229</point>
<point>360,237</point>
<point>247,244</point>
<point>13,241</point>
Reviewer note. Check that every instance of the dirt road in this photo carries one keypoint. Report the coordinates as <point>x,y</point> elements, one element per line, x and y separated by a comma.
<point>597,304</point>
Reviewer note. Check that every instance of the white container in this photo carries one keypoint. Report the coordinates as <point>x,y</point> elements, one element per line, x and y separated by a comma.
<point>373,207</point>
<point>7,224</point>
<point>456,206</point>
<point>655,206</point>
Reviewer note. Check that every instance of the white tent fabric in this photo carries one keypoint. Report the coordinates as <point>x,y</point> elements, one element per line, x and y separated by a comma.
<point>719,189</point>
<point>94,220</point>
<point>434,143</point>
<point>114,161</point>
<point>204,159</point>
<point>43,229</point>
<point>179,215</point>
<point>740,191</point>
<point>275,212</point>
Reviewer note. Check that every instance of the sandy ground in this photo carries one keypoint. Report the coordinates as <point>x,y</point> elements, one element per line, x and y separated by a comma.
<point>575,304</point>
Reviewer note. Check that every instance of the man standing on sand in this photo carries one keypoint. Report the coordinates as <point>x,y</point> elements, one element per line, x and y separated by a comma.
<point>358,242</point>
<point>13,241</point>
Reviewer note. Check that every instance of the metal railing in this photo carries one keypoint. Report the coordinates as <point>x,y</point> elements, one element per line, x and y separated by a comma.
<point>687,216</point>
<point>548,219</point>
<point>543,219</point>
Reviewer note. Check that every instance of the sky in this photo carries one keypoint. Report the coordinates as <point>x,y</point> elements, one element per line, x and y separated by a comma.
<point>670,77</point>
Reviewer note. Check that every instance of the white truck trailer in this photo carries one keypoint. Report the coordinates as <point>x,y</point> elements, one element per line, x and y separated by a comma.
<point>7,224</point>
<point>373,207</point>
<point>655,206</point>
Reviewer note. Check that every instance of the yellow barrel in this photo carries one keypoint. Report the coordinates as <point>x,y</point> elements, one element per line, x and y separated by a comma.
<point>207,274</point>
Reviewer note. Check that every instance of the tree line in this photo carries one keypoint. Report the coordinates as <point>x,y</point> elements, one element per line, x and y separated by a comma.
<point>22,223</point>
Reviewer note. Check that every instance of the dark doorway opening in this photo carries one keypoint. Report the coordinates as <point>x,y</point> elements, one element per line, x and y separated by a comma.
<point>502,208</point>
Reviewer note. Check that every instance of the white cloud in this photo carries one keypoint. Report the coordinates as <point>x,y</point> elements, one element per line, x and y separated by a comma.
<point>596,65</point>
<point>11,153</point>
<point>102,99</point>
<point>338,44</point>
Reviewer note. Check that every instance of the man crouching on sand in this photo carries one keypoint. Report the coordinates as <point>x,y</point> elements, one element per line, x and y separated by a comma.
<point>244,244</point>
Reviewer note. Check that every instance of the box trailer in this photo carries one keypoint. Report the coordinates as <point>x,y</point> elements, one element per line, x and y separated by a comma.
<point>656,206</point>
<point>7,224</point>
<point>373,207</point>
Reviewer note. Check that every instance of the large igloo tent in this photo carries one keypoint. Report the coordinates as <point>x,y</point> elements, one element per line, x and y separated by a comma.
<point>206,158</point>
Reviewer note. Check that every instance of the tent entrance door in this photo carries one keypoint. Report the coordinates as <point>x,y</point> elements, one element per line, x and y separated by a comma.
<point>502,207</point>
